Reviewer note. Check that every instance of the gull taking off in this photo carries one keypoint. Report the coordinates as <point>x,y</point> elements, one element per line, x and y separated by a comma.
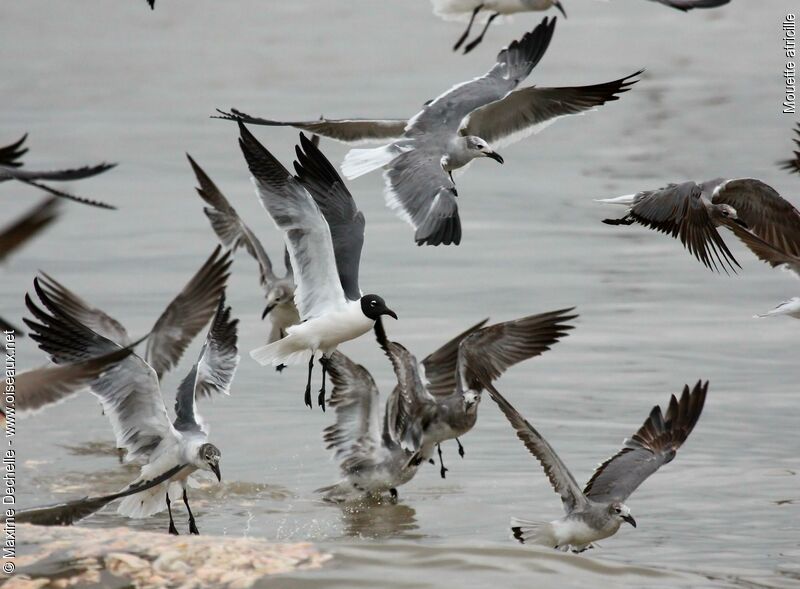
<point>324,233</point>
<point>599,510</point>
<point>469,121</point>
<point>440,395</point>
<point>234,233</point>
<point>131,399</point>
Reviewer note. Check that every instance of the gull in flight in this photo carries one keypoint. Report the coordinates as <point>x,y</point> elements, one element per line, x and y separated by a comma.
<point>469,121</point>
<point>440,395</point>
<point>11,169</point>
<point>176,327</point>
<point>367,447</point>
<point>764,221</point>
<point>324,233</point>
<point>599,510</point>
<point>131,398</point>
<point>234,233</point>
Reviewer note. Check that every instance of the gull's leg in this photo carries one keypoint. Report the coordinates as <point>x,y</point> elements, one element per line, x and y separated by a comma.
<point>321,398</point>
<point>172,529</point>
<point>475,42</point>
<point>460,448</point>
<point>442,470</point>
<point>393,494</point>
<point>464,36</point>
<point>192,525</point>
<point>280,367</point>
<point>308,383</point>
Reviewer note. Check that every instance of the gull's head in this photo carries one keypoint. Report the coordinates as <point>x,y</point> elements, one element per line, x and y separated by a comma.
<point>480,148</point>
<point>280,294</point>
<point>374,306</point>
<point>208,459</point>
<point>471,401</point>
<point>728,212</point>
<point>622,513</point>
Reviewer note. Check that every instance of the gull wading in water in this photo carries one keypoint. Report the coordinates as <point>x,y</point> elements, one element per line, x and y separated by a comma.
<point>324,233</point>
<point>599,510</point>
<point>131,398</point>
<point>234,233</point>
<point>439,396</point>
<point>468,121</point>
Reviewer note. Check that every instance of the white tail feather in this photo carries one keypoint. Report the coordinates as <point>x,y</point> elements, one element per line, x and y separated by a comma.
<point>285,351</point>
<point>626,200</point>
<point>358,162</point>
<point>149,502</point>
<point>531,532</point>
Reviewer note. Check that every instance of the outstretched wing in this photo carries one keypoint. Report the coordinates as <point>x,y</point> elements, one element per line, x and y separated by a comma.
<point>345,221</point>
<point>529,110</point>
<point>440,366</point>
<point>307,235</point>
<point>344,130</point>
<point>129,392</point>
<point>654,445</point>
<point>188,313</point>
<point>212,373</point>
<point>10,154</point>
<point>355,437</point>
<point>487,353</point>
<point>557,472</point>
<point>28,226</point>
<point>229,226</point>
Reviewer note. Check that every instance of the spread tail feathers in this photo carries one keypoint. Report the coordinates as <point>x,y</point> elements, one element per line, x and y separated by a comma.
<point>358,162</point>
<point>530,532</point>
<point>285,351</point>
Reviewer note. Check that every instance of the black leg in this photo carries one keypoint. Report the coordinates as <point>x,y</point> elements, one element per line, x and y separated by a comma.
<point>280,367</point>
<point>172,529</point>
<point>475,42</point>
<point>192,525</point>
<point>431,461</point>
<point>460,448</point>
<point>464,36</point>
<point>393,494</point>
<point>321,397</point>
<point>442,470</point>
<point>308,383</point>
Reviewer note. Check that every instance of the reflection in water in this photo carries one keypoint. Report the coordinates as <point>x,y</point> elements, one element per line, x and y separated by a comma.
<point>379,519</point>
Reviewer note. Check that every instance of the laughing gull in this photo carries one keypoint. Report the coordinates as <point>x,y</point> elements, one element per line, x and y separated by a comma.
<point>234,233</point>
<point>463,9</point>
<point>793,163</point>
<point>131,398</point>
<point>468,121</point>
<point>18,233</point>
<point>185,316</point>
<point>440,396</point>
<point>367,448</point>
<point>324,233</point>
<point>767,224</point>
<point>11,169</point>
<point>598,511</point>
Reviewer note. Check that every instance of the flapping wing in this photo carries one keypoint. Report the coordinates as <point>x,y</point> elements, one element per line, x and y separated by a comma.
<point>7,173</point>
<point>212,373</point>
<point>764,251</point>
<point>355,437</point>
<point>229,227</point>
<point>793,164</point>
<point>188,313</point>
<point>344,130</point>
<point>10,154</point>
<point>526,111</point>
<point>687,5</point>
<point>444,114</point>
<point>28,226</point>
<point>440,366</point>
<point>678,211</point>
<point>422,194</point>
<point>766,213</point>
<point>345,221</point>
<point>128,392</point>
<point>654,445</point>
<point>307,235</point>
<point>557,472</point>
<point>56,175</point>
<point>409,400</point>
<point>95,319</point>
<point>487,353</point>
<point>44,386</point>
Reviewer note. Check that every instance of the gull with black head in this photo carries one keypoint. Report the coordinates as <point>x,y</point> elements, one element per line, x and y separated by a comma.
<point>324,233</point>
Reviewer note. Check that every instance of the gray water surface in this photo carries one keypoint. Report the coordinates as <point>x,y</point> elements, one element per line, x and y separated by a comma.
<point>98,80</point>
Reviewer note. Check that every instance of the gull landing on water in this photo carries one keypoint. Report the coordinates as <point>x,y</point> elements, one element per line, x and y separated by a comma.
<point>598,511</point>
<point>324,233</point>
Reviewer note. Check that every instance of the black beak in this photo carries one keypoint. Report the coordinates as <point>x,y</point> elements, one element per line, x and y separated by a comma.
<point>267,310</point>
<point>741,223</point>
<point>630,520</point>
<point>390,313</point>
<point>495,156</point>
<point>215,470</point>
<point>558,5</point>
